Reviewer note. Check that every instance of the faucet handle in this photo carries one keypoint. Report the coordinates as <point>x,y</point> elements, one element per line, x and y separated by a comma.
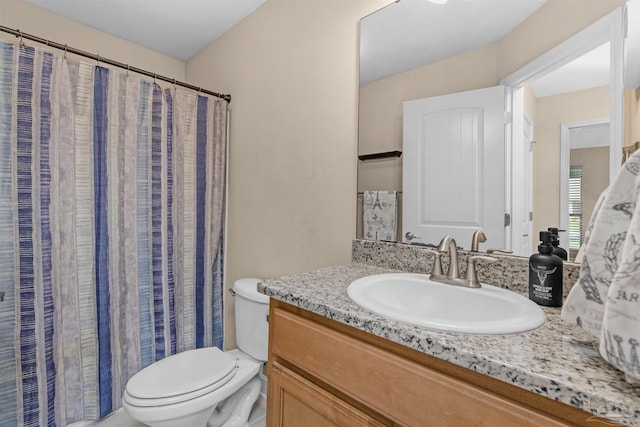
<point>501,251</point>
<point>477,238</point>
<point>472,276</point>
<point>436,270</point>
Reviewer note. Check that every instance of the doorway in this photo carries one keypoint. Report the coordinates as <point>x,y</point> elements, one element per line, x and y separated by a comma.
<point>584,175</point>
<point>607,30</point>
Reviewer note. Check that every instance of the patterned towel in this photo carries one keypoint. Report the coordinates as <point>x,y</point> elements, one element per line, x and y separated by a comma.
<point>606,298</point>
<point>380,209</point>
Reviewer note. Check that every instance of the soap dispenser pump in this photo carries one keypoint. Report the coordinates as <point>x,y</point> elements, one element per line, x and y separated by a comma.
<point>555,242</point>
<point>545,274</point>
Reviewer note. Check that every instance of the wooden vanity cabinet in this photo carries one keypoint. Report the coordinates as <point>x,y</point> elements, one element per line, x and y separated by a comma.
<point>302,403</point>
<point>324,373</point>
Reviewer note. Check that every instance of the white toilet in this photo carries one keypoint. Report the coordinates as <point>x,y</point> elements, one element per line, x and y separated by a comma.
<point>206,386</point>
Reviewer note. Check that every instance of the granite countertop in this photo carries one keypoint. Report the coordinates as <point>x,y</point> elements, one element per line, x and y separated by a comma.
<point>557,360</point>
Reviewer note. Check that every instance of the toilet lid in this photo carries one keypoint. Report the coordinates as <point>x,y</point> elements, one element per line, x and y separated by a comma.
<point>248,288</point>
<point>182,373</point>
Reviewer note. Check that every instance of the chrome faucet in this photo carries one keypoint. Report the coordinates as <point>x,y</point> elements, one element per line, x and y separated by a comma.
<point>478,237</point>
<point>448,244</point>
<point>472,277</point>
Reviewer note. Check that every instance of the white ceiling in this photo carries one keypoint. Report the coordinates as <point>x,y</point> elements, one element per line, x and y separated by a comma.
<point>178,28</point>
<point>413,33</point>
<point>589,136</point>
<point>588,71</point>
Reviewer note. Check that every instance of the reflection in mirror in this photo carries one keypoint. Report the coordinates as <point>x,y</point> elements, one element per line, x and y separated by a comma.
<point>588,176</point>
<point>571,107</point>
<point>459,69</point>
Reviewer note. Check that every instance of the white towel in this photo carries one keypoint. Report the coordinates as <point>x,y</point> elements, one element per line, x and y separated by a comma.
<point>380,212</point>
<point>606,298</point>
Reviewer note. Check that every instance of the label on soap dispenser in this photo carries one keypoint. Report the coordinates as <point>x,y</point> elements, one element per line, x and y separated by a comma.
<point>545,284</point>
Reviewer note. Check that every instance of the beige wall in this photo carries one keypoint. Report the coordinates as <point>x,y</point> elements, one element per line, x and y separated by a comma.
<point>17,14</point>
<point>551,111</point>
<point>292,69</point>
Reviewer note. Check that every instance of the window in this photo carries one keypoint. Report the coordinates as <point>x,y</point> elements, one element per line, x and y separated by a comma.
<point>575,210</point>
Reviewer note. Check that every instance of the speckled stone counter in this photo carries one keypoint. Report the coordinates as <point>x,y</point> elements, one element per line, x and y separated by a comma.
<point>557,360</point>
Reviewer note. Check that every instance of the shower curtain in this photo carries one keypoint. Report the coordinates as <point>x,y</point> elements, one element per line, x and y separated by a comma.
<point>111,231</point>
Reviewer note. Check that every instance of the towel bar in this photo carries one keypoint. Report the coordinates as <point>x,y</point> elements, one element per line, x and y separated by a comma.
<point>361,193</point>
<point>376,156</point>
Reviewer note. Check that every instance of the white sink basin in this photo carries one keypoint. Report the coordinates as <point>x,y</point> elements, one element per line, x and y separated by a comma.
<point>414,299</point>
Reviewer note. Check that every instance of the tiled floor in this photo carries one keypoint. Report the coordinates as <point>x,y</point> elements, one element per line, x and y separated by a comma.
<point>120,419</point>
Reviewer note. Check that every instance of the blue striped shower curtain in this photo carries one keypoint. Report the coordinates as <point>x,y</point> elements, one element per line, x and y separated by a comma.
<point>111,231</point>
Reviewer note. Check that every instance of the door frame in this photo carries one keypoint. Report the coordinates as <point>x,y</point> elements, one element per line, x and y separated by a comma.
<point>610,28</point>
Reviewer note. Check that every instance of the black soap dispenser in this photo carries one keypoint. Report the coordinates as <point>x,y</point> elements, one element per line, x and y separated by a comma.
<point>555,242</point>
<point>545,274</point>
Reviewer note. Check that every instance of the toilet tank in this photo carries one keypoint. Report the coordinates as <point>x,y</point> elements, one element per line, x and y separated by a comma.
<point>252,326</point>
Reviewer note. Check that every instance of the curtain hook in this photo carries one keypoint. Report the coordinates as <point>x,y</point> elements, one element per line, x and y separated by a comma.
<point>20,41</point>
<point>154,78</point>
<point>127,70</point>
<point>174,84</point>
<point>65,51</point>
<point>97,60</point>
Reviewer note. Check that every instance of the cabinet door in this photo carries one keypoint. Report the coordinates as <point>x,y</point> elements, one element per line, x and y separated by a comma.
<point>295,402</point>
<point>400,390</point>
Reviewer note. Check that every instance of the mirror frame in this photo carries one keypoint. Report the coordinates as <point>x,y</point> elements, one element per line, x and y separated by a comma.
<point>610,28</point>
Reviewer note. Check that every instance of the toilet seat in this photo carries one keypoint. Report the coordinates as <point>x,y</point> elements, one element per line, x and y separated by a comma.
<point>180,377</point>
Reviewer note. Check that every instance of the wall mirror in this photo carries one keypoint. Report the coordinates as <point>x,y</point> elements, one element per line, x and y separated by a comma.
<point>460,66</point>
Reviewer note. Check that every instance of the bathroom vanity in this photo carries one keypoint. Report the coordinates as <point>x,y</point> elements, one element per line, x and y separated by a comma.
<point>333,363</point>
<point>322,372</point>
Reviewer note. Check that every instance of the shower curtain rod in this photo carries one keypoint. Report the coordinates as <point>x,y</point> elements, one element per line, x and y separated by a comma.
<point>99,59</point>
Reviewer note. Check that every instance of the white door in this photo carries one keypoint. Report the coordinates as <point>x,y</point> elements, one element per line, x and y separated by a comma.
<point>453,179</point>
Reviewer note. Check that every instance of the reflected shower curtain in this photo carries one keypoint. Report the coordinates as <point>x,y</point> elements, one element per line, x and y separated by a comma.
<point>111,232</point>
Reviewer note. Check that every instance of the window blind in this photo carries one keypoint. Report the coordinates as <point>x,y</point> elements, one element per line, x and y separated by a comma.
<point>575,210</point>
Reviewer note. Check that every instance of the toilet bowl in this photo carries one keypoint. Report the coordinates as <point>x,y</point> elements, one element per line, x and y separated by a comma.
<point>206,386</point>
